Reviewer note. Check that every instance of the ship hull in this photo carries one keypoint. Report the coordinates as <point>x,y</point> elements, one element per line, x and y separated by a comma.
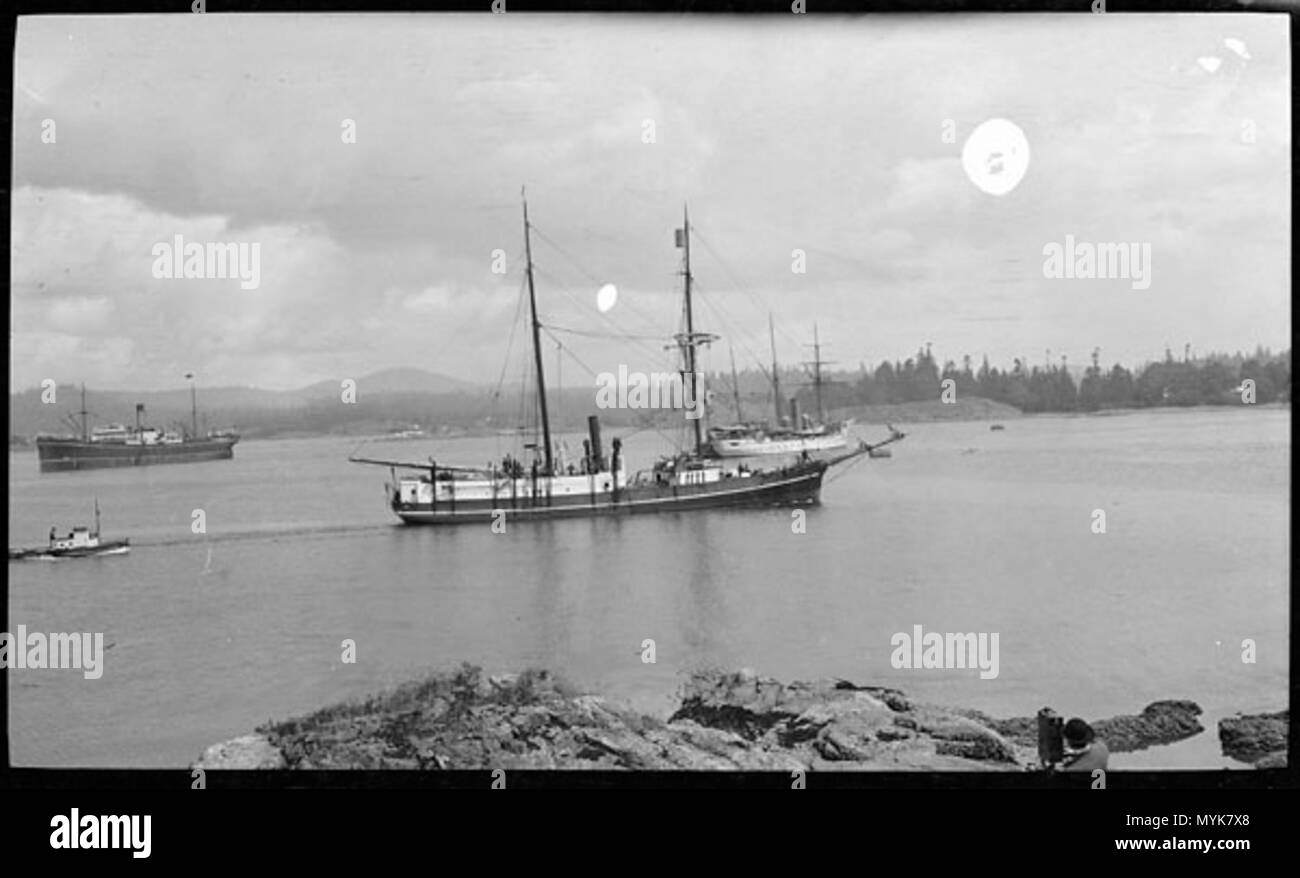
<point>113,547</point>
<point>794,486</point>
<point>749,447</point>
<point>63,455</point>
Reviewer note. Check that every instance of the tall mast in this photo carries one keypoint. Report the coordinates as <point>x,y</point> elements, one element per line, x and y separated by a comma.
<point>559,380</point>
<point>776,372</point>
<point>537,342</point>
<point>817,376</point>
<point>85,436</point>
<point>690,328</point>
<point>817,363</point>
<point>194,407</point>
<point>735,385</point>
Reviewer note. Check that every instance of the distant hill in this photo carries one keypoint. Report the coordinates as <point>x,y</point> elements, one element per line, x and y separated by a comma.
<point>218,406</point>
<point>392,381</point>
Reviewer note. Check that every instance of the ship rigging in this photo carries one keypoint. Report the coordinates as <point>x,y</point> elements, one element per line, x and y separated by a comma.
<point>433,493</point>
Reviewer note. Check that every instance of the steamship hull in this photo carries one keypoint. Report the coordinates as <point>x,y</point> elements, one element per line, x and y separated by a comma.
<point>63,455</point>
<point>751,446</point>
<point>800,485</point>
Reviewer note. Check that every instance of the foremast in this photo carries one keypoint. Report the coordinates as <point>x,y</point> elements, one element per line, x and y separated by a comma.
<point>537,343</point>
<point>690,340</point>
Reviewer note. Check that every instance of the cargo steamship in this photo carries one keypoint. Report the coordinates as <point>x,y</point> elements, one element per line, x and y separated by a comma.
<point>118,445</point>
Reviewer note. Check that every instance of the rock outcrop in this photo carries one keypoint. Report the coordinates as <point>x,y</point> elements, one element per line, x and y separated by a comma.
<point>248,752</point>
<point>725,721</point>
<point>1260,739</point>
<point>1161,722</point>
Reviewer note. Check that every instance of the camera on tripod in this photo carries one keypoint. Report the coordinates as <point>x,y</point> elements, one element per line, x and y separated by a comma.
<point>1051,738</point>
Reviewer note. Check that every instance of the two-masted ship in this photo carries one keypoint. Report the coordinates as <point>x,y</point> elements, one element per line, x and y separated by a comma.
<point>114,445</point>
<point>600,483</point>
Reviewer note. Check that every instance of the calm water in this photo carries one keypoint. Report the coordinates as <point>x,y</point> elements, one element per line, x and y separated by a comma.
<point>962,530</point>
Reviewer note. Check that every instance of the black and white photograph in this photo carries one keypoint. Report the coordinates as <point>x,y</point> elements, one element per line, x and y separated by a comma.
<point>794,395</point>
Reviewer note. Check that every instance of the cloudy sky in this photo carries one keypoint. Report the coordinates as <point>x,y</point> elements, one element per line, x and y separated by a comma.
<point>786,133</point>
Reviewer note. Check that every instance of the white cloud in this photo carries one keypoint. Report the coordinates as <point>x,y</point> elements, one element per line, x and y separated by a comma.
<point>827,137</point>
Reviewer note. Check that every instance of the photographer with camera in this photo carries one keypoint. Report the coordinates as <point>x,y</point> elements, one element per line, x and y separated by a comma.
<point>1071,746</point>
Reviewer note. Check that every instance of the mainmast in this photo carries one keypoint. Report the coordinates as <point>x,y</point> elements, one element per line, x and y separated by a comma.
<point>776,373</point>
<point>85,435</point>
<point>735,385</point>
<point>194,407</point>
<point>817,363</point>
<point>690,329</point>
<point>817,376</point>
<point>537,342</point>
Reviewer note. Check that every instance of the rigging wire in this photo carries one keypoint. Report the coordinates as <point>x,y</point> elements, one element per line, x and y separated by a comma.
<point>628,336</point>
<point>514,324</point>
<point>655,354</point>
<point>473,318</point>
<point>591,277</point>
<point>739,337</point>
<point>742,288</point>
<point>572,355</point>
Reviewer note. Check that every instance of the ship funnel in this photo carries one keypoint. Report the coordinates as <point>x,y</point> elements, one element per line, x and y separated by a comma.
<point>794,413</point>
<point>597,458</point>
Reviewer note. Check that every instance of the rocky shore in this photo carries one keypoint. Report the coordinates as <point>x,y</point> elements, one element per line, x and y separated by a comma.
<point>1259,739</point>
<point>724,721</point>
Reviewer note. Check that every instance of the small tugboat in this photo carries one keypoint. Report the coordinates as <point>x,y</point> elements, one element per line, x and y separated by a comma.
<point>80,543</point>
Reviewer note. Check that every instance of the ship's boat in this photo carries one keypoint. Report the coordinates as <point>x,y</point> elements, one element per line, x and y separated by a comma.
<point>599,484</point>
